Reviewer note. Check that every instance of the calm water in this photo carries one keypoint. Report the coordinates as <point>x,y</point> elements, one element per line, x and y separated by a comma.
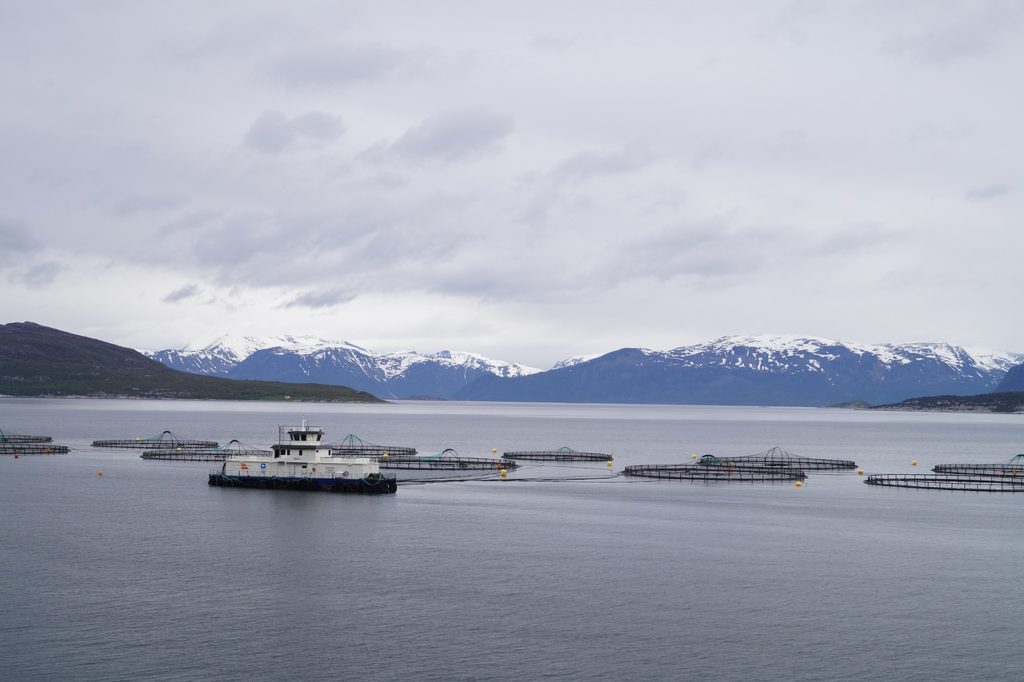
<point>147,572</point>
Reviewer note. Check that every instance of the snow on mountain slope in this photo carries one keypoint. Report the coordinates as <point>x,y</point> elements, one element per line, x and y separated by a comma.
<point>307,358</point>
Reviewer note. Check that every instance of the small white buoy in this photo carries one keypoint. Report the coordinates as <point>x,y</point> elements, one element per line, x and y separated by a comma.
<point>503,473</point>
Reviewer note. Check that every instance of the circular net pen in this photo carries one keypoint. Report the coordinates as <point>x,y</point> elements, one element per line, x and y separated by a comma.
<point>449,460</point>
<point>710,474</point>
<point>563,454</point>
<point>30,448</point>
<point>354,446</point>
<point>164,441</point>
<point>22,438</point>
<point>955,482</point>
<point>777,457</point>
<point>1013,469</point>
<point>218,454</point>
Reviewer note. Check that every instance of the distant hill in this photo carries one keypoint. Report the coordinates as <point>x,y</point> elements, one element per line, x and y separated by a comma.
<point>1012,402</point>
<point>37,360</point>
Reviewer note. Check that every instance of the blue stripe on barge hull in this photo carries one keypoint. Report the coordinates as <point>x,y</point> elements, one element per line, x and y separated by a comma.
<point>365,486</point>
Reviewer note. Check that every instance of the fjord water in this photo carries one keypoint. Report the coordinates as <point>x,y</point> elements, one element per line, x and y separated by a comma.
<point>148,573</point>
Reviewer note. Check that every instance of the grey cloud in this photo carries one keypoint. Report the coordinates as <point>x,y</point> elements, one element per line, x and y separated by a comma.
<point>320,299</point>
<point>15,238</point>
<point>586,165</point>
<point>41,275</point>
<point>987,192</point>
<point>453,135</point>
<point>190,221</point>
<point>186,292</point>
<point>275,132</point>
<point>963,37</point>
<point>130,205</point>
<point>340,64</point>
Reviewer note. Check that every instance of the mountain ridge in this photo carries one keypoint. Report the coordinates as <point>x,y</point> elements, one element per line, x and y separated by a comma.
<point>770,369</point>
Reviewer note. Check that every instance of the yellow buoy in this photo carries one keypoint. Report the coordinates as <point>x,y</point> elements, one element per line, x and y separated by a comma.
<point>799,484</point>
<point>609,464</point>
<point>860,472</point>
<point>494,450</point>
<point>913,462</point>
<point>504,473</point>
<point>99,473</point>
<point>384,456</point>
<point>693,455</point>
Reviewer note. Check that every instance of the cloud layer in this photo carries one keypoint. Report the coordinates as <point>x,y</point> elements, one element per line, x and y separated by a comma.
<point>532,186</point>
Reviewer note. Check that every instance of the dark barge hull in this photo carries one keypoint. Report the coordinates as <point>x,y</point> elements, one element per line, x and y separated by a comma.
<point>362,486</point>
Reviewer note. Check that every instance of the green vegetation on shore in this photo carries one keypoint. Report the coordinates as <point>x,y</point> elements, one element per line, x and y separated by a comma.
<point>41,361</point>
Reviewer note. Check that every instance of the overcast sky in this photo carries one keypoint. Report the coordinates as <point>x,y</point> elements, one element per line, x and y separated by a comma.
<point>528,180</point>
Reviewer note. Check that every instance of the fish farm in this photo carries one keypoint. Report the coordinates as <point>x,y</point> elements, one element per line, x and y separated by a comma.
<point>354,446</point>
<point>165,440</point>
<point>22,438</point>
<point>218,454</point>
<point>971,483</point>
<point>726,472</point>
<point>560,455</point>
<point>449,459</point>
<point>1015,467</point>
<point>777,457</point>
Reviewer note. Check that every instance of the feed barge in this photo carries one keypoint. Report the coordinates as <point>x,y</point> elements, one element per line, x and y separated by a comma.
<point>444,465</point>
<point>218,454</point>
<point>165,440</point>
<point>303,462</point>
<point>563,454</point>
<point>354,446</point>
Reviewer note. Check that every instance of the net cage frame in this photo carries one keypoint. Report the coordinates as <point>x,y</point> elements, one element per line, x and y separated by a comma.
<point>1012,469</point>
<point>354,446</point>
<point>951,482</point>
<point>164,441</point>
<point>562,454</point>
<point>447,460</point>
<point>777,457</point>
<point>724,473</point>
<point>234,448</point>
<point>23,438</point>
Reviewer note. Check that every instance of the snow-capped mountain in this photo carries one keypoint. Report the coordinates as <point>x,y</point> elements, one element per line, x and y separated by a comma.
<point>312,360</point>
<point>222,354</point>
<point>760,370</point>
